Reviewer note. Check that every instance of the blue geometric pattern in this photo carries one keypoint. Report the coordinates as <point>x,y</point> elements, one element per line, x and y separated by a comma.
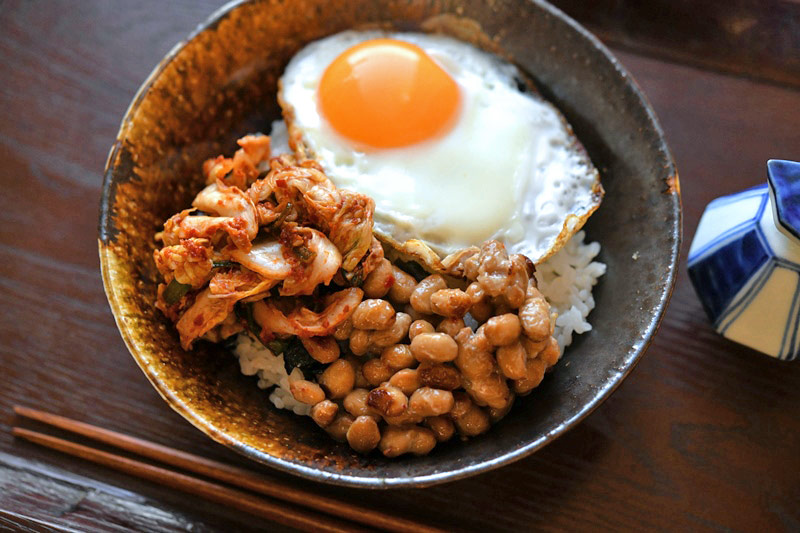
<point>790,345</point>
<point>784,183</point>
<point>786,327</point>
<point>725,231</point>
<point>750,293</point>
<point>719,276</point>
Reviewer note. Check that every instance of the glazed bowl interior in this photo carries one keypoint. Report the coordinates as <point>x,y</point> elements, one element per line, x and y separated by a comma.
<point>221,83</point>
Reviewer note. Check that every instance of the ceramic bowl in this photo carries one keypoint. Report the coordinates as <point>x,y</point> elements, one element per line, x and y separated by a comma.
<point>221,83</point>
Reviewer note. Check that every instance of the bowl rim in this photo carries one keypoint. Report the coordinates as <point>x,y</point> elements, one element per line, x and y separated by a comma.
<point>670,177</point>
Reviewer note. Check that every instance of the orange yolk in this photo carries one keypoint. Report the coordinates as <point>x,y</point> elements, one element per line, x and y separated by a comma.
<point>386,93</point>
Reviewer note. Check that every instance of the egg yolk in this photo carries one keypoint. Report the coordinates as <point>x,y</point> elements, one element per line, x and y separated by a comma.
<point>386,93</point>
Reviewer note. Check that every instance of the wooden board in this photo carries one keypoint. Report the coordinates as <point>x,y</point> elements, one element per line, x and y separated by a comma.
<point>703,435</point>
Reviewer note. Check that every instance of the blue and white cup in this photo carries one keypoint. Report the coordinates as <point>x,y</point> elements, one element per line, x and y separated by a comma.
<point>744,263</point>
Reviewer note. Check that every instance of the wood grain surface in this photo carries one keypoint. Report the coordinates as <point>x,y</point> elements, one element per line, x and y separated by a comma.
<point>755,38</point>
<point>703,435</point>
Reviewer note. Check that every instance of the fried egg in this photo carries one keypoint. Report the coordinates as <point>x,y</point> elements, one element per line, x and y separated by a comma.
<point>446,138</point>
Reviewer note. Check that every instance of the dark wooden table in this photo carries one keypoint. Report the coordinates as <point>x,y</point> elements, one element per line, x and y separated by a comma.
<point>703,435</point>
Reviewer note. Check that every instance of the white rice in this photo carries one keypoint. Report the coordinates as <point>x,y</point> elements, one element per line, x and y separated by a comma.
<point>566,280</point>
<point>257,359</point>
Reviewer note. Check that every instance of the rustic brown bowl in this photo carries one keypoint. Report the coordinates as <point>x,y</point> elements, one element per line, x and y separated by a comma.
<point>221,83</point>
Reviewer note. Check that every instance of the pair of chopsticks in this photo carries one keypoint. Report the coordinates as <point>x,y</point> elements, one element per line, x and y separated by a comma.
<point>308,512</point>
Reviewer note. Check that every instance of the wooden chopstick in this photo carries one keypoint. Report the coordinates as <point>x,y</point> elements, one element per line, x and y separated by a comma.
<point>228,474</point>
<point>301,519</point>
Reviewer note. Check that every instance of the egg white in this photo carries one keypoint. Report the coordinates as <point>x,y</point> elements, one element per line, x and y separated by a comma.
<point>509,169</point>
